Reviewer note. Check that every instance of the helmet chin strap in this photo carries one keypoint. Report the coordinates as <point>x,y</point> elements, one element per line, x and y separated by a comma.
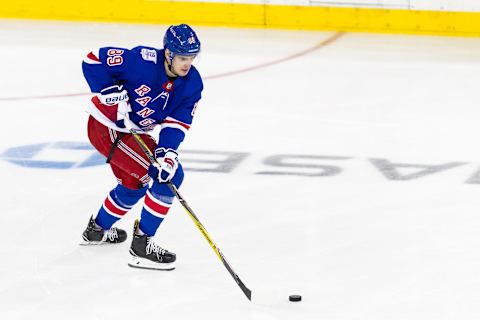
<point>170,63</point>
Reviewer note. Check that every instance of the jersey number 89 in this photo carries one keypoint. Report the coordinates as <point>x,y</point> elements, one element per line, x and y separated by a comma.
<point>114,57</point>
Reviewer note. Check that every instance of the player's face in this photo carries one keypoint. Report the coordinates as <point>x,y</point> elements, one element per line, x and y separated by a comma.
<point>182,64</point>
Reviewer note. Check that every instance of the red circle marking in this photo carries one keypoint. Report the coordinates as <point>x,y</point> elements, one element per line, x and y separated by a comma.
<point>319,45</point>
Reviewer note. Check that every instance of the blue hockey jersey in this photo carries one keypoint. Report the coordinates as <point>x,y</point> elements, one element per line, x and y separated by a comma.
<point>154,99</point>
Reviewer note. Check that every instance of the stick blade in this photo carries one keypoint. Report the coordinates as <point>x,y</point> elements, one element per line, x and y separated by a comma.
<point>243,287</point>
<point>247,292</point>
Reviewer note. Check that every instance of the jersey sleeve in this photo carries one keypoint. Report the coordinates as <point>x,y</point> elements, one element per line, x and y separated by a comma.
<point>177,124</point>
<point>106,67</point>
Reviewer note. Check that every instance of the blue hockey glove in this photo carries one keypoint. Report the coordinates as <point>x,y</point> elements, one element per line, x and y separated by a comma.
<point>168,160</point>
<point>113,95</point>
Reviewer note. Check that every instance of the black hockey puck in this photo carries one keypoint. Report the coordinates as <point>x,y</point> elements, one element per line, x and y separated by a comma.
<point>295,298</point>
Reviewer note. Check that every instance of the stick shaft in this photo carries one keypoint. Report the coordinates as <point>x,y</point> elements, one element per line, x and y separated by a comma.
<point>196,221</point>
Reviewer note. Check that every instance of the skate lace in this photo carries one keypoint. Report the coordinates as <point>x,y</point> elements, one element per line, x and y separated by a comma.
<point>153,247</point>
<point>110,234</point>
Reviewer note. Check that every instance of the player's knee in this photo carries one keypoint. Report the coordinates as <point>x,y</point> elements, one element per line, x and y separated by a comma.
<point>127,196</point>
<point>163,189</point>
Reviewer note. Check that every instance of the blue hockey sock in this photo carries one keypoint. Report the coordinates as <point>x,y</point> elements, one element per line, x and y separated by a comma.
<point>117,203</point>
<point>155,209</point>
<point>158,201</point>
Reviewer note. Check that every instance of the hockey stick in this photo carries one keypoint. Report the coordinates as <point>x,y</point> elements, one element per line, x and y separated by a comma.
<point>149,154</point>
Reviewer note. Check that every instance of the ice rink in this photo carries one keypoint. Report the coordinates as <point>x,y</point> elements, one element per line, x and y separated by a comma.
<point>341,167</point>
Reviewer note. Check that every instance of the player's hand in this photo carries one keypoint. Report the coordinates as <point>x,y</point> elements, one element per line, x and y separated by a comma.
<point>168,160</point>
<point>113,95</point>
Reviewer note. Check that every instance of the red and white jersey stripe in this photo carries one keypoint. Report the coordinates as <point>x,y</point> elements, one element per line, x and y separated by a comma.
<point>92,58</point>
<point>170,122</point>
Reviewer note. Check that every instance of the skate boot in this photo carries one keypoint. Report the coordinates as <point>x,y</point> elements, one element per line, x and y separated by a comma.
<point>146,254</point>
<point>96,235</point>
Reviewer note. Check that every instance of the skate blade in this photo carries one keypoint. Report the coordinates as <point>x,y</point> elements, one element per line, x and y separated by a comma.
<point>86,242</point>
<point>96,243</point>
<point>92,243</point>
<point>141,263</point>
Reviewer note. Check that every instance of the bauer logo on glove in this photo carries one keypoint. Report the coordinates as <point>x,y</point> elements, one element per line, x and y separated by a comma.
<point>113,95</point>
<point>168,164</point>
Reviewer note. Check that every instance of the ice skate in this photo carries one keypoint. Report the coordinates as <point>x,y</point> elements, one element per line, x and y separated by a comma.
<point>94,234</point>
<point>146,254</point>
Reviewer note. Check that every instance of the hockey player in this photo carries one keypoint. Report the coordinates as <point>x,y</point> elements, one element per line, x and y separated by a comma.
<point>142,88</point>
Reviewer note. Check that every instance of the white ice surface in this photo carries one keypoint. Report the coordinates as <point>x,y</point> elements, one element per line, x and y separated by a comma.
<point>355,245</point>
